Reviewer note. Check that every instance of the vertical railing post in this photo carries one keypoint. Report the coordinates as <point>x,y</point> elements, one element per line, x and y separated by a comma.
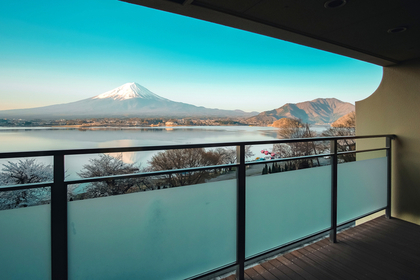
<point>59,256</point>
<point>240,213</point>
<point>334,163</point>
<point>388,178</point>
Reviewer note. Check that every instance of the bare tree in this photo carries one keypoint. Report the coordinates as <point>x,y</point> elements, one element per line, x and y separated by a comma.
<point>294,130</point>
<point>346,127</point>
<point>24,172</point>
<point>229,155</point>
<point>107,165</point>
<point>185,158</point>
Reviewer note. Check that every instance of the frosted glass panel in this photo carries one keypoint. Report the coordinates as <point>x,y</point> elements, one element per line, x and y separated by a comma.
<point>362,188</point>
<point>286,206</point>
<point>164,234</point>
<point>25,249</point>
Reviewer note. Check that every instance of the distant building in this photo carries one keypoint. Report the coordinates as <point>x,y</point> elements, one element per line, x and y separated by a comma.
<point>171,124</point>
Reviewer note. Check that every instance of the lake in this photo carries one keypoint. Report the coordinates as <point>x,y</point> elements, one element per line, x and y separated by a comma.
<point>54,138</point>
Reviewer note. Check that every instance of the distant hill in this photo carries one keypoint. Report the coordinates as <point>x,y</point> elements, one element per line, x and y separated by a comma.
<point>318,111</point>
<point>348,120</point>
<point>286,122</point>
<point>128,100</point>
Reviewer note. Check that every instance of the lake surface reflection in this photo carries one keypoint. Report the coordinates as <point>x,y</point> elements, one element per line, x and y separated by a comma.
<point>37,139</point>
<point>41,139</point>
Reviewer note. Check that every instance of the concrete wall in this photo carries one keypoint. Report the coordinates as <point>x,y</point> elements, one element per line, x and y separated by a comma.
<point>394,108</point>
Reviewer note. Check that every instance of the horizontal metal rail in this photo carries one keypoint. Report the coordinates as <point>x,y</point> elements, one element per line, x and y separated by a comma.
<point>117,177</point>
<point>362,151</point>
<point>174,171</point>
<point>149,174</point>
<point>286,159</point>
<point>25,186</point>
<point>175,147</point>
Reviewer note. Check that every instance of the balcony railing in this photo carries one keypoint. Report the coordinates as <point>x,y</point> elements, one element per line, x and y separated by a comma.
<point>190,232</point>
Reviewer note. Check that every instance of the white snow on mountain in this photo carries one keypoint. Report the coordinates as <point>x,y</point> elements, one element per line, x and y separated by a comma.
<point>129,91</point>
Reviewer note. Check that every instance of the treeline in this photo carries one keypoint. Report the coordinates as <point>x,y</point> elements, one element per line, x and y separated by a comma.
<point>297,130</point>
<point>276,168</point>
<point>124,122</point>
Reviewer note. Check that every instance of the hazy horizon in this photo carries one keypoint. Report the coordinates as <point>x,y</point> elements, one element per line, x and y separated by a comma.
<point>94,97</point>
<point>54,53</point>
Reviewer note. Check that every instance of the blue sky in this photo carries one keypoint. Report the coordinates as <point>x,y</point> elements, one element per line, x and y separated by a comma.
<point>62,51</point>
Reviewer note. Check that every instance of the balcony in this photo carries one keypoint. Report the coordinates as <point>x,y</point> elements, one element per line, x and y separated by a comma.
<point>198,231</point>
<point>378,249</point>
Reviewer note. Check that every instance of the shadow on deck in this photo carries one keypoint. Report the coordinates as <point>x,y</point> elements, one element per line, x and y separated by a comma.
<point>378,249</point>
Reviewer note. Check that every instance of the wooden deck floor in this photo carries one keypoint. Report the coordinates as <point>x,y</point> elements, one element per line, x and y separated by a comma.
<point>378,249</point>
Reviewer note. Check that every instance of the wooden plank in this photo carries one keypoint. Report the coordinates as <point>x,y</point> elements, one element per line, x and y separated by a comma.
<point>382,262</point>
<point>403,253</point>
<point>253,274</point>
<point>330,265</point>
<point>354,261</point>
<point>286,270</point>
<point>392,229</point>
<point>357,259</point>
<point>381,257</point>
<point>265,273</point>
<point>396,224</point>
<point>275,271</point>
<point>398,247</point>
<point>378,249</point>
<point>398,235</point>
<point>323,252</point>
<point>312,267</point>
<point>294,267</point>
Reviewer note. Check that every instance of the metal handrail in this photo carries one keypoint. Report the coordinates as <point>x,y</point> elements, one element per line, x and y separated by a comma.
<point>172,147</point>
<point>69,152</point>
<point>59,230</point>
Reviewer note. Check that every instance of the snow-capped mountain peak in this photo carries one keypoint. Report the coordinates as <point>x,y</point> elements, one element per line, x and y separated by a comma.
<point>128,100</point>
<point>129,91</point>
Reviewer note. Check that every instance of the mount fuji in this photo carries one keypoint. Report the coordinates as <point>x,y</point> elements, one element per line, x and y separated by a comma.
<point>128,100</point>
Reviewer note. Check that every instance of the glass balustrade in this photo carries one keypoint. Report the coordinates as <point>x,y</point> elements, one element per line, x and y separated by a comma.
<point>156,225</point>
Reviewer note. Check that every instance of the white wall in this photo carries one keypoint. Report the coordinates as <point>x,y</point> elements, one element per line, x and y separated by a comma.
<point>394,109</point>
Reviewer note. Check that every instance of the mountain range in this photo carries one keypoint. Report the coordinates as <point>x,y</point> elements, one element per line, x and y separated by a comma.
<point>128,100</point>
<point>134,100</point>
<point>317,111</point>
